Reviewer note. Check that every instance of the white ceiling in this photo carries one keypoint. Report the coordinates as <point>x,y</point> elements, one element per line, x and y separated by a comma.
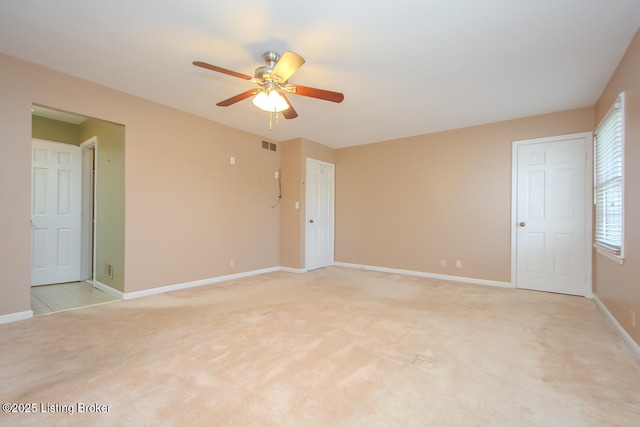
<point>405,67</point>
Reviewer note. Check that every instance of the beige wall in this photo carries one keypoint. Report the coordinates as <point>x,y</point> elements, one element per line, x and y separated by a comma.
<point>410,203</point>
<point>618,286</point>
<point>15,184</point>
<point>188,211</point>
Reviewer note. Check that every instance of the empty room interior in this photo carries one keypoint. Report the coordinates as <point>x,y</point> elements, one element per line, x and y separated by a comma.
<point>331,214</point>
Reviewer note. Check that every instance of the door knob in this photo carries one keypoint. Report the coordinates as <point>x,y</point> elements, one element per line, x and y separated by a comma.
<point>522,224</point>
<point>310,221</point>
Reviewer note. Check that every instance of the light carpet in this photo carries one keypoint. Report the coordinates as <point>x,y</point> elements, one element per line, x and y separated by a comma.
<point>332,347</point>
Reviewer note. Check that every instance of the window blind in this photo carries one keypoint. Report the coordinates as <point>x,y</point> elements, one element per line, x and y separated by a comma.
<point>609,197</point>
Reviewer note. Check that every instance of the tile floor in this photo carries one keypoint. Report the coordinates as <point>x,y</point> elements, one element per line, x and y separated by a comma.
<point>66,296</point>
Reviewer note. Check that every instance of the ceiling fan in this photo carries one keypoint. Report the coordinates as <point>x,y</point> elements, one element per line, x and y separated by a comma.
<point>272,79</point>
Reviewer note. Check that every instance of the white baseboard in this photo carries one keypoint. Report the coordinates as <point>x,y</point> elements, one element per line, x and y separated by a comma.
<point>633,346</point>
<point>14,317</point>
<point>186,285</point>
<point>107,289</point>
<point>427,275</point>
<point>293,270</point>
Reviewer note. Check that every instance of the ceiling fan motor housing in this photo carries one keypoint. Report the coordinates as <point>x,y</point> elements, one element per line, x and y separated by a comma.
<point>271,57</point>
<point>264,72</point>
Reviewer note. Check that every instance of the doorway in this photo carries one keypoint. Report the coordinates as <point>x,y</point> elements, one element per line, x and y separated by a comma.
<point>62,232</point>
<point>100,243</point>
<point>551,214</point>
<point>320,189</point>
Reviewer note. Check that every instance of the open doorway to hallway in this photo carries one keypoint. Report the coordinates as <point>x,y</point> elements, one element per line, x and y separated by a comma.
<point>77,239</point>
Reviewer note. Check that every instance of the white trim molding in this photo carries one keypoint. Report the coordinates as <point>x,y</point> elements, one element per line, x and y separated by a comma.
<point>293,270</point>
<point>107,289</point>
<point>427,275</point>
<point>609,254</point>
<point>186,285</point>
<point>633,346</point>
<point>14,317</point>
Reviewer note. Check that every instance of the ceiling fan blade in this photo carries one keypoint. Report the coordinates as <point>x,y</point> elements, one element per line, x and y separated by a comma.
<point>221,70</point>
<point>325,95</point>
<point>286,66</point>
<point>238,98</point>
<point>289,113</point>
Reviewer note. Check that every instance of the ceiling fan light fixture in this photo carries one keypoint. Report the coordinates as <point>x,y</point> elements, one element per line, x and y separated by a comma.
<point>272,101</point>
<point>272,96</point>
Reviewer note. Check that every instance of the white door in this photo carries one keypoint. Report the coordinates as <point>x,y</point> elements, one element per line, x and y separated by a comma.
<point>55,212</point>
<point>320,213</point>
<point>552,223</point>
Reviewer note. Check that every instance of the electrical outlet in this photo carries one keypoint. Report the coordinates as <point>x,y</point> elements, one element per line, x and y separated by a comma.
<point>443,263</point>
<point>232,160</point>
<point>232,262</point>
<point>458,264</point>
<point>277,175</point>
<point>633,319</point>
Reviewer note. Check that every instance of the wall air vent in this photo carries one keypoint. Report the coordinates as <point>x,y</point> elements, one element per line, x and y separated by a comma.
<point>269,145</point>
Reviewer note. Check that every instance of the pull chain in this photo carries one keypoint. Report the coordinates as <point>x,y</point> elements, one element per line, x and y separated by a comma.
<point>271,119</point>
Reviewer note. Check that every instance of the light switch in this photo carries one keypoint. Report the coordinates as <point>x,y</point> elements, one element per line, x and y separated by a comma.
<point>297,205</point>
<point>232,160</point>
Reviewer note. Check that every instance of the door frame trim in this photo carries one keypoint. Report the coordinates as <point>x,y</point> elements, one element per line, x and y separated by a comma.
<point>588,232</point>
<point>89,196</point>
<point>306,212</point>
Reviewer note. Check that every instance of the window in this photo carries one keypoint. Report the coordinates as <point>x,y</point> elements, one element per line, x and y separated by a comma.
<point>609,182</point>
